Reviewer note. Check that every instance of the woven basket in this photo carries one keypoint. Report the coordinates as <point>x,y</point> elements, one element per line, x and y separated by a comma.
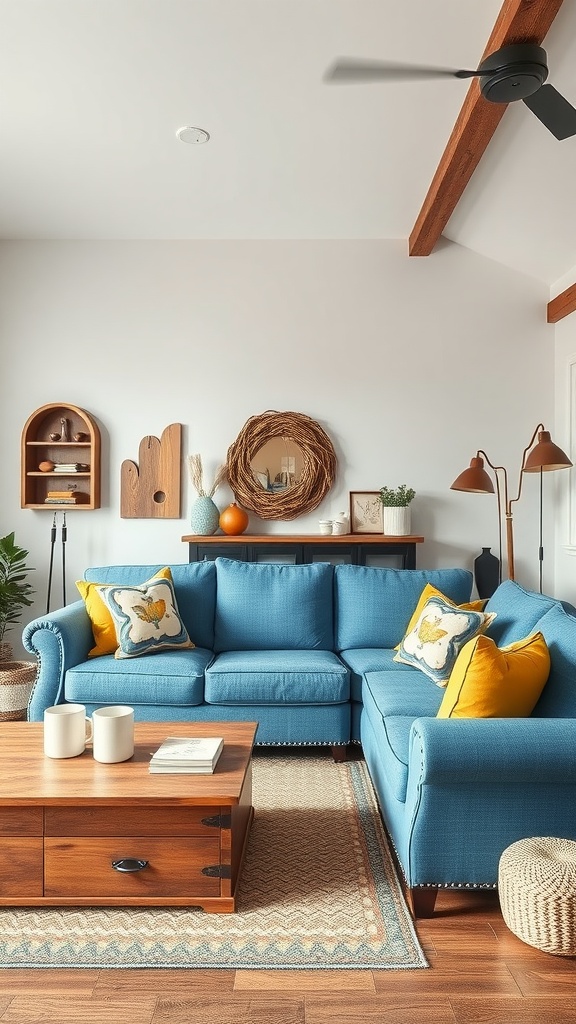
<point>537,891</point>
<point>6,653</point>
<point>16,682</point>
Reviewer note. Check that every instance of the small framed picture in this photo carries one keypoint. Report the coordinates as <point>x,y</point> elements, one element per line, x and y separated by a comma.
<point>365,512</point>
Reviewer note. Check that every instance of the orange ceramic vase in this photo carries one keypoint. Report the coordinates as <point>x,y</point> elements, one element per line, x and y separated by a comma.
<point>233,520</point>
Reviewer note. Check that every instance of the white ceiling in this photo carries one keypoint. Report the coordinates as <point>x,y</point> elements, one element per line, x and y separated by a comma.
<point>93,92</point>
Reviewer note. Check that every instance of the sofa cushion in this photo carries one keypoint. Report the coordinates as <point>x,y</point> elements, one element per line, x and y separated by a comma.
<point>194,586</point>
<point>402,693</point>
<point>492,682</point>
<point>373,605</point>
<point>517,612</point>
<point>392,701</point>
<point>368,659</point>
<point>264,606</point>
<point>558,699</point>
<point>146,618</point>
<point>277,677</point>
<point>169,678</point>
<point>392,733</point>
<point>433,643</point>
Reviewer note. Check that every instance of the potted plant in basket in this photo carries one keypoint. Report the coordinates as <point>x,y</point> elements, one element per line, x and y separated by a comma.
<point>16,677</point>
<point>396,509</point>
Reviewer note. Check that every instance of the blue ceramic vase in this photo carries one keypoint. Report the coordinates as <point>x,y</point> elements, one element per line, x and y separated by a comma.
<point>204,516</point>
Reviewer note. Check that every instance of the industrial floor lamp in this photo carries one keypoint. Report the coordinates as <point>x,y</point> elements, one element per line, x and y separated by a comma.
<point>544,457</point>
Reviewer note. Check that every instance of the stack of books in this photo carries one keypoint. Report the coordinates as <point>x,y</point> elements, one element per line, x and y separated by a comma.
<point>70,497</point>
<point>70,467</point>
<point>187,756</point>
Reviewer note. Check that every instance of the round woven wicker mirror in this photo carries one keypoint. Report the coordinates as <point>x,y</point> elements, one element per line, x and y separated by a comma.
<point>277,485</point>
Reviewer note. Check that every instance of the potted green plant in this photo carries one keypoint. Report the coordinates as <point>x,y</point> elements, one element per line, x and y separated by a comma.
<point>396,509</point>
<point>16,677</point>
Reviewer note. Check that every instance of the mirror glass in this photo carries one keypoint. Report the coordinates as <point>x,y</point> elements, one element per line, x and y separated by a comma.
<point>281,465</point>
<point>278,464</point>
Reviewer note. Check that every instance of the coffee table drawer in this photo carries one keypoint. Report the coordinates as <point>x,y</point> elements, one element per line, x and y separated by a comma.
<point>131,821</point>
<point>21,821</point>
<point>21,867</point>
<point>83,867</point>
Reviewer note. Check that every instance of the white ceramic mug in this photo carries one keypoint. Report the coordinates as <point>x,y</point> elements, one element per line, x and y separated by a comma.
<point>113,733</point>
<point>66,730</point>
<point>325,526</point>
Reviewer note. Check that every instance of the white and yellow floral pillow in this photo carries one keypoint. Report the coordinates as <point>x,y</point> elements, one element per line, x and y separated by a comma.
<point>103,626</point>
<point>433,641</point>
<point>146,618</point>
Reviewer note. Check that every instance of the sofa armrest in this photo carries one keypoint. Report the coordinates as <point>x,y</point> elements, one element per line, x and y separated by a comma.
<point>515,750</point>
<point>60,640</point>
<point>477,785</point>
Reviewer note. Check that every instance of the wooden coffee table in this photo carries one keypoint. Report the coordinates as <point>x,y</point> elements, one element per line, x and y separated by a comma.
<point>75,832</point>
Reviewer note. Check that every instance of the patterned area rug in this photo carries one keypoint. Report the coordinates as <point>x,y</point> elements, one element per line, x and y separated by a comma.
<point>319,890</point>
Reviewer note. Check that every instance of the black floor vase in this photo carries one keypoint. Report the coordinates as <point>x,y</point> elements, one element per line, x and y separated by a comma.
<point>486,573</point>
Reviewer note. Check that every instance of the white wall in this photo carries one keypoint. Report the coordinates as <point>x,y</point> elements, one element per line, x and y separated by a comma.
<point>565,483</point>
<point>409,364</point>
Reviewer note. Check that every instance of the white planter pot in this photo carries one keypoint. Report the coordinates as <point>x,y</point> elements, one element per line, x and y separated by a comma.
<point>396,521</point>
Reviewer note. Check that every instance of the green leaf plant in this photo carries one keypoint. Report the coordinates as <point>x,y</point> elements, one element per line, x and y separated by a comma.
<point>15,591</point>
<point>399,497</point>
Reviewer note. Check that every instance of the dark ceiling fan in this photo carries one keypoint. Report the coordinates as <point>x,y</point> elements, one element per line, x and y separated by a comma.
<point>515,72</point>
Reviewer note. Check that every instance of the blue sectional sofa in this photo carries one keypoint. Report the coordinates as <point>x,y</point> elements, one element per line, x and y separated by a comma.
<point>307,651</point>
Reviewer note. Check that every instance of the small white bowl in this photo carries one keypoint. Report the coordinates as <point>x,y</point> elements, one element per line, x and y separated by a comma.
<point>325,526</point>
<point>339,528</point>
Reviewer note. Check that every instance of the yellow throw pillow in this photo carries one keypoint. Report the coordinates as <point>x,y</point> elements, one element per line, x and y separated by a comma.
<point>103,628</point>
<point>492,682</point>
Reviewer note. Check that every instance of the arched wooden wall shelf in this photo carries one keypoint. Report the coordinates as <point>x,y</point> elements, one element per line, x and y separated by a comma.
<point>60,435</point>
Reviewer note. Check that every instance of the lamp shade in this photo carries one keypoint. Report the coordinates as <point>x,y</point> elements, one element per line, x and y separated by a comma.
<point>546,456</point>
<point>475,479</point>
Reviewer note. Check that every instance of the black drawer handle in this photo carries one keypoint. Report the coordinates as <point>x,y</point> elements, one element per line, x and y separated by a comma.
<point>129,864</point>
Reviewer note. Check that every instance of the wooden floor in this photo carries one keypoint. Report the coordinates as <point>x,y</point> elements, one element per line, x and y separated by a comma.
<point>479,974</point>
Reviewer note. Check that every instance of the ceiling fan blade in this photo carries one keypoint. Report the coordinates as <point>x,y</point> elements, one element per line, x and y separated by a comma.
<point>555,112</point>
<point>349,70</point>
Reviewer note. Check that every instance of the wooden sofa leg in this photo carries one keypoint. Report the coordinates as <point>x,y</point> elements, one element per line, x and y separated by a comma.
<point>422,901</point>
<point>340,753</point>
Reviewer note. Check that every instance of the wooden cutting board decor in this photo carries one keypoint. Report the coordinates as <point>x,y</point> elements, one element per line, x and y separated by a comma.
<point>151,488</point>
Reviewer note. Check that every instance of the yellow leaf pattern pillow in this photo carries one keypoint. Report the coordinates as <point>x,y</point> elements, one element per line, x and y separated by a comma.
<point>435,637</point>
<point>146,618</point>
<point>103,628</point>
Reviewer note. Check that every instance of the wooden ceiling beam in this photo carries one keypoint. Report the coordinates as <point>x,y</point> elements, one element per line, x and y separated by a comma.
<point>519,21</point>
<point>562,305</point>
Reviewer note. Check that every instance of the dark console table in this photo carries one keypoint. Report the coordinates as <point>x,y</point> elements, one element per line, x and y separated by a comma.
<point>355,549</point>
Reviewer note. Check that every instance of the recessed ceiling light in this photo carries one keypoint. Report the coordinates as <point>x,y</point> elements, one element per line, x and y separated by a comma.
<point>194,136</point>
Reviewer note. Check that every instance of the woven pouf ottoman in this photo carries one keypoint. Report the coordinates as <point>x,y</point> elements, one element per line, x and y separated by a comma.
<point>537,891</point>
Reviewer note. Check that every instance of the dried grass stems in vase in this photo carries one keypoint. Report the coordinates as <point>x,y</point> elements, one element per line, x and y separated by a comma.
<point>197,477</point>
<point>204,514</point>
